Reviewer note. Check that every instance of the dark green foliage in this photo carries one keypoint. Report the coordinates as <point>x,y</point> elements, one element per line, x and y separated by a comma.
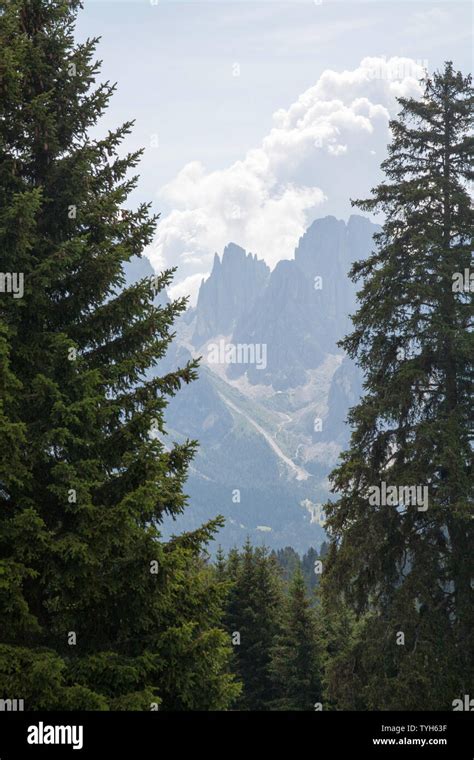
<point>273,626</point>
<point>290,562</point>
<point>411,569</point>
<point>253,619</point>
<point>86,477</point>
<point>295,665</point>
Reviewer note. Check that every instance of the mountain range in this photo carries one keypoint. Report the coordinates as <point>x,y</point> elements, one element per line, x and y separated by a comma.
<point>273,392</point>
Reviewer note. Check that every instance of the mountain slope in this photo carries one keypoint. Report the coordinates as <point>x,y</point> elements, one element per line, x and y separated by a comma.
<point>269,412</point>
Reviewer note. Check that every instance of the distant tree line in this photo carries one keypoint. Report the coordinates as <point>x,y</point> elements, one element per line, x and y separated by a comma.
<point>270,618</point>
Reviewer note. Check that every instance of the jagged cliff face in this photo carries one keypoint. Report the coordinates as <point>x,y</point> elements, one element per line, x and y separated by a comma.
<point>298,312</point>
<point>233,288</point>
<point>270,405</point>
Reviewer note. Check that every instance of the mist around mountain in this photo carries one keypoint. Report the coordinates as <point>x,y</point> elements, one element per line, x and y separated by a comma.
<point>269,407</point>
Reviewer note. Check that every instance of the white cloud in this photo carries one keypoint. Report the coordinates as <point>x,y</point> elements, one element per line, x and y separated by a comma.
<point>188,287</point>
<point>322,150</point>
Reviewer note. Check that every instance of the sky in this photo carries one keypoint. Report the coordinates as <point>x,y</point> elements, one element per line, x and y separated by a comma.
<point>258,117</point>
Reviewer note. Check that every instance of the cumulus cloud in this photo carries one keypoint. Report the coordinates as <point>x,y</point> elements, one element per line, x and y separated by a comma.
<point>321,151</point>
<point>188,287</point>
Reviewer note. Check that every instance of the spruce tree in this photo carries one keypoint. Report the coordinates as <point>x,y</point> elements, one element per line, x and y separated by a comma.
<point>97,611</point>
<point>408,565</point>
<point>220,564</point>
<point>340,635</point>
<point>254,613</point>
<point>295,664</point>
<point>288,560</point>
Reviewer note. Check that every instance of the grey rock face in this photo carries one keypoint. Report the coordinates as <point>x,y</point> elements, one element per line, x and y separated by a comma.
<point>270,436</point>
<point>235,284</point>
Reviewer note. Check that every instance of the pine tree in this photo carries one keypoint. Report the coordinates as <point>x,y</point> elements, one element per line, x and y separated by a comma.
<point>408,565</point>
<point>254,613</point>
<point>221,569</point>
<point>295,664</point>
<point>97,611</point>
<point>342,644</point>
<point>232,564</point>
<point>288,560</point>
